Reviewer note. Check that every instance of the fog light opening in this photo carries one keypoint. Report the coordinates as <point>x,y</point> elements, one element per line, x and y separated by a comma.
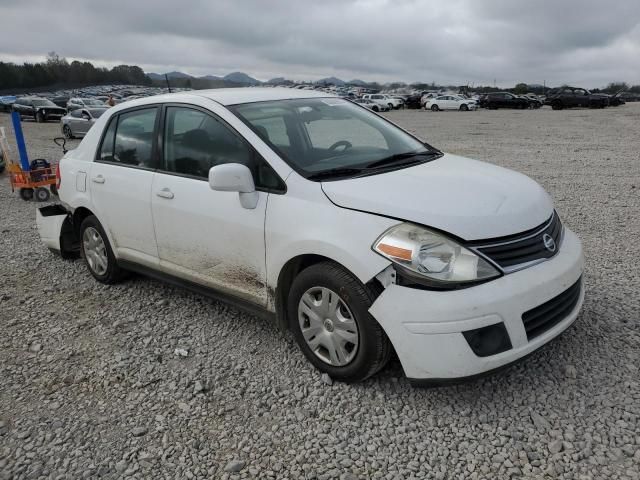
<point>487,341</point>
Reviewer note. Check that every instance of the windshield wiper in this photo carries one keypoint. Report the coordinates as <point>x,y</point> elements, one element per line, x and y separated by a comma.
<point>402,156</point>
<point>335,173</point>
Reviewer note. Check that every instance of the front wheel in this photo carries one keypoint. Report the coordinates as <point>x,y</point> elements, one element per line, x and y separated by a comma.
<point>556,106</point>
<point>434,108</point>
<point>464,107</point>
<point>97,253</point>
<point>328,310</point>
<point>39,117</point>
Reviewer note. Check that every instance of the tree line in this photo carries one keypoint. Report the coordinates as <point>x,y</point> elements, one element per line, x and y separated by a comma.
<point>57,70</point>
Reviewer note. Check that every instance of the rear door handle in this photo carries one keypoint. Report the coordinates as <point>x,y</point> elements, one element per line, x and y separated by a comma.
<point>97,179</point>
<point>165,193</point>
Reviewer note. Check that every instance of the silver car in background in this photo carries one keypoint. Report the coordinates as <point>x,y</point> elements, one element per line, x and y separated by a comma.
<point>78,122</point>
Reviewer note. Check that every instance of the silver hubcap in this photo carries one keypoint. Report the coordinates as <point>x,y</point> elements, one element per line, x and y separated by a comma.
<point>95,251</point>
<point>328,326</point>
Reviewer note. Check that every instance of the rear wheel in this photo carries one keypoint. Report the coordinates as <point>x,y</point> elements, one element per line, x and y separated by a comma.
<point>556,106</point>
<point>97,253</point>
<point>328,309</point>
<point>434,108</point>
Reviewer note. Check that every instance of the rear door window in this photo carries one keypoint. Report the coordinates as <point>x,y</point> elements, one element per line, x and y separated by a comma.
<point>133,144</point>
<point>129,139</point>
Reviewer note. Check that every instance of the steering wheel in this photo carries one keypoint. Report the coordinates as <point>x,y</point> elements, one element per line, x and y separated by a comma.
<point>342,143</point>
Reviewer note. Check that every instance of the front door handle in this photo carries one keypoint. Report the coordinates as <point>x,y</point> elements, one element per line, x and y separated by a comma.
<point>165,193</point>
<point>97,179</point>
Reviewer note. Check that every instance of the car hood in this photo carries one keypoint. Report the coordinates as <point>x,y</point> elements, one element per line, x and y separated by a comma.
<point>470,199</point>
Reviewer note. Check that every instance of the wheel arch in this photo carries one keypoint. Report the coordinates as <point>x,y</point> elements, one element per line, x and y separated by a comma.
<point>291,269</point>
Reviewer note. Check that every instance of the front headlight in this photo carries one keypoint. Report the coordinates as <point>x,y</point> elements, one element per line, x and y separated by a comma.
<point>432,256</point>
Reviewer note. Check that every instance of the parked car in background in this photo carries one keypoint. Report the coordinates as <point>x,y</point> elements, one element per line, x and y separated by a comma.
<point>617,99</point>
<point>78,122</point>
<point>450,102</point>
<point>383,99</point>
<point>371,105</point>
<point>569,97</point>
<point>413,101</point>
<point>428,96</point>
<point>302,207</point>
<point>60,100</point>
<point>534,101</point>
<point>496,100</point>
<point>40,109</point>
<point>6,102</point>
<point>79,102</point>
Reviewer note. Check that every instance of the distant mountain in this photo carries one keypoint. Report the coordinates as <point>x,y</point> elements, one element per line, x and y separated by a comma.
<point>277,81</point>
<point>331,81</point>
<point>210,77</point>
<point>160,76</point>
<point>242,78</point>
<point>360,83</point>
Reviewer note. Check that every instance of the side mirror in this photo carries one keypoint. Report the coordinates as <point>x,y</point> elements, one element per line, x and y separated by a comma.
<point>234,177</point>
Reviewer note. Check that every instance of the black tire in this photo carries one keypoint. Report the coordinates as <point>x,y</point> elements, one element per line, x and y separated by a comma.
<point>39,117</point>
<point>374,348</point>
<point>464,107</point>
<point>113,273</point>
<point>375,108</point>
<point>390,106</point>
<point>26,194</point>
<point>66,130</point>
<point>556,106</point>
<point>434,108</point>
<point>42,194</point>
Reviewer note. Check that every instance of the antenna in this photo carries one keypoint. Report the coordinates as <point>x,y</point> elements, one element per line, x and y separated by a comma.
<point>166,77</point>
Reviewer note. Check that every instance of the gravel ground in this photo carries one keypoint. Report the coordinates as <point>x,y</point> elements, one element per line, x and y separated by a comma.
<point>91,385</point>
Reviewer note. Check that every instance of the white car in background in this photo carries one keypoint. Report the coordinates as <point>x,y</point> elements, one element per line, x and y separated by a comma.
<point>371,105</point>
<point>340,226</point>
<point>382,99</point>
<point>450,102</point>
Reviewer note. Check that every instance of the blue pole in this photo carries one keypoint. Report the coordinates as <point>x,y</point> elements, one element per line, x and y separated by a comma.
<point>22,148</point>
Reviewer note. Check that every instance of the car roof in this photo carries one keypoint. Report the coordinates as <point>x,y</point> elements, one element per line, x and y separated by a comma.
<point>227,96</point>
<point>232,96</point>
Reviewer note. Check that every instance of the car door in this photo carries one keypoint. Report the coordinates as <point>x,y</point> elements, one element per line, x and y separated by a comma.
<point>206,236</point>
<point>121,178</point>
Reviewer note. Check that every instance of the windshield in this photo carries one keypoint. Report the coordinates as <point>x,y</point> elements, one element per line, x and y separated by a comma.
<point>316,135</point>
<point>44,103</point>
<point>96,112</point>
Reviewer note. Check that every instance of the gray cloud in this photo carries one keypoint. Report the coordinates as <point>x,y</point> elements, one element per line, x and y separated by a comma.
<point>458,41</point>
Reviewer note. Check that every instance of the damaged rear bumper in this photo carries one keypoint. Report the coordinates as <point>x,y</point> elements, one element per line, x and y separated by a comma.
<point>55,227</point>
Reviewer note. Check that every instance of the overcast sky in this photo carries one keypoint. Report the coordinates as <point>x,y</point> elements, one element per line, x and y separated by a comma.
<point>583,42</point>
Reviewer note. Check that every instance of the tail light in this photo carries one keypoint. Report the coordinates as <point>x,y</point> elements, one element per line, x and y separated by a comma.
<point>58,177</point>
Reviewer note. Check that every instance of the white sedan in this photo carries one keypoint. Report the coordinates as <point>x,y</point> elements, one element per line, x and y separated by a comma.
<point>450,102</point>
<point>303,208</point>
